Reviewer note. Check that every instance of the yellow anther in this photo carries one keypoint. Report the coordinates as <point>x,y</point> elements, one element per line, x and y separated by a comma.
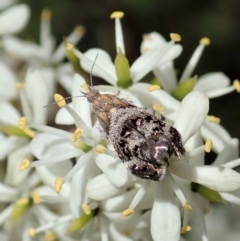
<point>19,85</point>
<point>213,119</point>
<point>77,134</point>
<point>29,132</point>
<point>117,14</point>
<point>187,206</point>
<point>153,88</point>
<point>58,183</point>
<point>51,236</point>
<point>69,46</point>
<point>86,209</point>
<point>36,197</point>
<point>22,122</point>
<point>205,41</point>
<point>59,100</point>
<point>236,84</point>
<point>32,232</point>
<point>128,212</point>
<point>80,29</point>
<point>175,37</point>
<point>85,87</point>
<point>185,229</point>
<point>25,164</point>
<point>158,108</point>
<point>100,150</point>
<point>22,201</point>
<point>208,145</point>
<point>46,14</point>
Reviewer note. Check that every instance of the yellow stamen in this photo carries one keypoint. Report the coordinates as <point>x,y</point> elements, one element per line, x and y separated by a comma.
<point>69,46</point>
<point>128,212</point>
<point>205,41</point>
<point>80,29</point>
<point>77,134</point>
<point>117,14</point>
<point>85,86</point>
<point>236,84</point>
<point>19,85</point>
<point>59,100</point>
<point>51,236</point>
<point>25,164</point>
<point>153,87</point>
<point>185,229</point>
<point>46,14</point>
<point>32,232</point>
<point>158,108</point>
<point>175,37</point>
<point>22,201</point>
<point>58,184</point>
<point>208,145</point>
<point>144,50</point>
<point>36,197</point>
<point>187,206</point>
<point>29,132</point>
<point>100,150</point>
<point>213,119</point>
<point>22,122</point>
<point>86,209</point>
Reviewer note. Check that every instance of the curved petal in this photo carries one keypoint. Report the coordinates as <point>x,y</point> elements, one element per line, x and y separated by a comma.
<point>19,13</point>
<point>219,179</point>
<point>212,81</point>
<point>113,168</point>
<point>63,117</point>
<point>103,67</point>
<point>191,114</point>
<point>7,82</point>
<point>100,188</point>
<point>37,93</point>
<point>9,114</point>
<point>165,218</point>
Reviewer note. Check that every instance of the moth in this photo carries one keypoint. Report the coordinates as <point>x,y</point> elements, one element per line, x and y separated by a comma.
<point>142,141</point>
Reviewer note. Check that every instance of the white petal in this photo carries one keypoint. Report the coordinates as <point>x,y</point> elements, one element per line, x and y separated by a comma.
<point>217,134</point>
<point>191,114</point>
<point>14,19</point>
<point>45,145</point>
<point>229,153</point>
<point>81,105</point>
<point>100,188</point>
<point>217,178</point>
<point>116,235</point>
<point>22,49</point>
<point>6,3</point>
<point>212,81</point>
<point>151,40</point>
<point>165,219</point>
<point>161,97</point>
<point>103,67</point>
<point>113,168</point>
<point>9,114</point>
<point>14,175</point>
<point>63,117</point>
<point>7,193</point>
<point>148,61</point>
<point>6,213</point>
<point>7,82</point>
<point>37,93</point>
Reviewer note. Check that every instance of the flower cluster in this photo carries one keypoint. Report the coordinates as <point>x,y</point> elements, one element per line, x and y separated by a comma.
<point>70,184</point>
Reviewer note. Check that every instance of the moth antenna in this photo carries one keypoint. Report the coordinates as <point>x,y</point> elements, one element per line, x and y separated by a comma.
<point>91,72</point>
<point>66,98</point>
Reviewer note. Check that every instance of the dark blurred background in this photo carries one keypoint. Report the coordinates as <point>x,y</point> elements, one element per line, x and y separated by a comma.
<point>217,19</point>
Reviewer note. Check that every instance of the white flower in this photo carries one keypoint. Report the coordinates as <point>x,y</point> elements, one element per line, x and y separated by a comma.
<point>212,84</point>
<point>45,57</point>
<point>20,13</point>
